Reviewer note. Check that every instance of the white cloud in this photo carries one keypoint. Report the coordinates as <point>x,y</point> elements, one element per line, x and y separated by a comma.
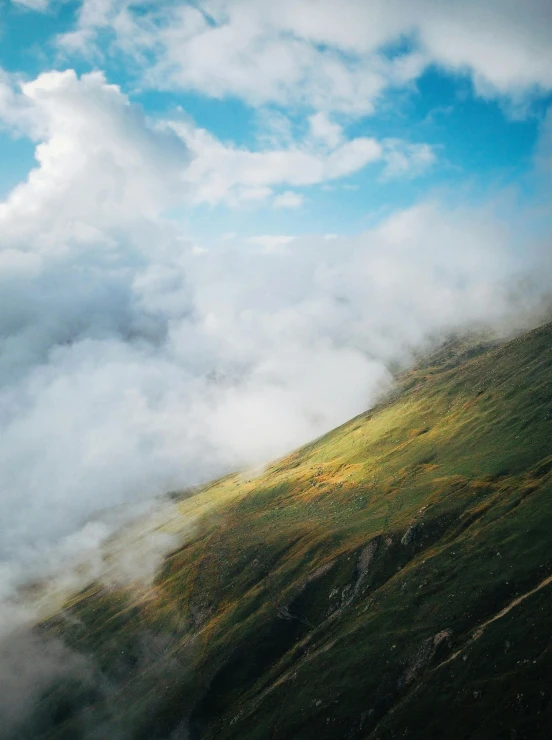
<point>289,199</point>
<point>327,54</point>
<point>64,113</point>
<point>240,49</point>
<point>132,364</point>
<point>234,175</point>
<point>129,168</point>
<point>221,172</point>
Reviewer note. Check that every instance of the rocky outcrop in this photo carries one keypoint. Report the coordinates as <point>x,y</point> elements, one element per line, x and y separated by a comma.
<point>425,654</point>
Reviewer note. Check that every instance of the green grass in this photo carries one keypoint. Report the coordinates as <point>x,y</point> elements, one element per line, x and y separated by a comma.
<point>323,597</point>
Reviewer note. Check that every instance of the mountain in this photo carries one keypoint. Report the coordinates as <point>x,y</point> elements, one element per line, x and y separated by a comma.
<point>392,579</point>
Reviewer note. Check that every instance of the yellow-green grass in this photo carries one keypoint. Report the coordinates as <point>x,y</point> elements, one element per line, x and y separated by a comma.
<point>336,593</point>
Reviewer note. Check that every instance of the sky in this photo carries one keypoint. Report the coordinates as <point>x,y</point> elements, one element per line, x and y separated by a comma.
<point>224,222</point>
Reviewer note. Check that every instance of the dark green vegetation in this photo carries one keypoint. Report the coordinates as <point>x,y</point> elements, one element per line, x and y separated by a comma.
<point>389,580</point>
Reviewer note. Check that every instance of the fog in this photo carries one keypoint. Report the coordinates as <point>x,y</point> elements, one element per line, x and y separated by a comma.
<point>134,362</point>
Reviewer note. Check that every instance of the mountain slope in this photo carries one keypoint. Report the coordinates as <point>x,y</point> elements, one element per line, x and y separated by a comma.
<point>391,579</point>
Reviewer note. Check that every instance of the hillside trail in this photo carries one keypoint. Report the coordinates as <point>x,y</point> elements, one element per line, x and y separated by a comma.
<point>482,627</point>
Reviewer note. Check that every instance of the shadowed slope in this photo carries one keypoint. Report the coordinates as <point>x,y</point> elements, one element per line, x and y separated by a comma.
<point>388,580</point>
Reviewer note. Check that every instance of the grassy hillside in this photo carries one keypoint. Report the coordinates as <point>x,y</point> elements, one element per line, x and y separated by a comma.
<point>391,579</point>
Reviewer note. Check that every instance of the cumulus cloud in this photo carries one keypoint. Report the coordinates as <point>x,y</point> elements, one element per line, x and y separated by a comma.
<point>128,168</point>
<point>330,55</point>
<point>133,363</point>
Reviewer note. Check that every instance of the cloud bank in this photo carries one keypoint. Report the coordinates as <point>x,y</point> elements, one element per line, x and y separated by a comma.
<point>133,363</point>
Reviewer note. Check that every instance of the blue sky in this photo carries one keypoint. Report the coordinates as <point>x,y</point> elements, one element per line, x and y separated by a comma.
<point>479,125</point>
<point>223,222</point>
